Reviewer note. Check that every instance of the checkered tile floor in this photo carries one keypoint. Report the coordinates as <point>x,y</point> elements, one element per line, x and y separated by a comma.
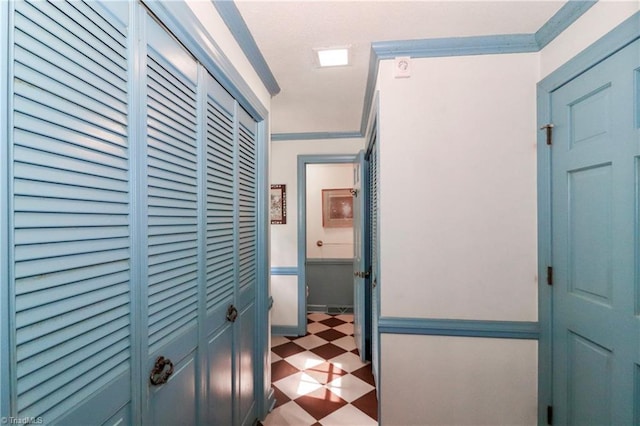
<point>319,379</point>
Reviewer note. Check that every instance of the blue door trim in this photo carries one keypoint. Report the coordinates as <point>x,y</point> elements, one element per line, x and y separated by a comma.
<point>464,328</point>
<point>232,17</point>
<point>138,128</point>
<point>625,33</point>
<point>303,160</point>
<point>262,382</point>
<point>5,141</point>
<point>621,36</point>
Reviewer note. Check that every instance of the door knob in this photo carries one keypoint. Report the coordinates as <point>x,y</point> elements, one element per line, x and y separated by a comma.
<point>232,313</point>
<point>161,371</point>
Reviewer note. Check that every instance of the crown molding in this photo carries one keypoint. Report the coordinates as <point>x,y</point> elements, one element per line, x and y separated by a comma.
<point>425,48</point>
<point>233,19</point>
<point>559,22</point>
<point>275,137</point>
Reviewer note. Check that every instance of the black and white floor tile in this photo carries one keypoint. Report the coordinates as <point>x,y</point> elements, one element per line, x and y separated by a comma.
<point>319,378</point>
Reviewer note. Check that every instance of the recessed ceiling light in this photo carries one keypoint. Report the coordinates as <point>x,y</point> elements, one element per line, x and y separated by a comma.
<point>333,57</point>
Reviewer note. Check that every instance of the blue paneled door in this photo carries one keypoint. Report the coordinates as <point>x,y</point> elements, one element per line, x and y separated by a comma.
<point>595,168</point>
<point>360,256</point>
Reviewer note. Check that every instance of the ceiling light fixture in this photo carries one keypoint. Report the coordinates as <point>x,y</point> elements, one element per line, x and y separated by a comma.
<point>334,57</point>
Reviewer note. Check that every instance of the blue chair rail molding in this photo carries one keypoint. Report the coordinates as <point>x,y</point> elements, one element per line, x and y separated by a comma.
<point>463,328</point>
<point>284,270</point>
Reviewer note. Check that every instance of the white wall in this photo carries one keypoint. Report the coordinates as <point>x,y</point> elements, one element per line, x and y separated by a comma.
<point>459,241</point>
<point>458,188</point>
<point>284,238</point>
<point>337,242</point>
<point>458,236</point>
<point>285,300</point>
<point>465,381</point>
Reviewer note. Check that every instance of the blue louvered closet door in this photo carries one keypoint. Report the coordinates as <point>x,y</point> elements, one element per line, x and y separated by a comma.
<point>172,287</point>
<point>70,225</point>
<point>221,264</point>
<point>231,259</point>
<point>247,262</point>
<point>132,225</point>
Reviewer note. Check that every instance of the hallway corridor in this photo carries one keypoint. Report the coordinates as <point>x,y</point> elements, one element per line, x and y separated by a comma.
<point>319,379</point>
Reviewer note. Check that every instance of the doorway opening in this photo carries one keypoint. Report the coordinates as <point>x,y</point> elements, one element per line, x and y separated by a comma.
<point>329,237</point>
<point>320,248</point>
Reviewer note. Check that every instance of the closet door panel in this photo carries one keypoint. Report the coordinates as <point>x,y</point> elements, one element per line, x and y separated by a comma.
<point>247,209</point>
<point>220,250</point>
<point>70,196</point>
<point>246,357</point>
<point>220,205</point>
<point>172,224</point>
<point>247,262</point>
<point>220,376</point>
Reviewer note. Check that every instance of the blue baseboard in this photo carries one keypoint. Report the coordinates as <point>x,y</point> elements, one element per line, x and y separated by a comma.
<point>284,330</point>
<point>330,309</point>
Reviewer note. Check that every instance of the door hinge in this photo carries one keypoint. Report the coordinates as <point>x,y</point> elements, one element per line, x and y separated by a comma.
<point>549,415</point>
<point>549,130</point>
<point>550,275</point>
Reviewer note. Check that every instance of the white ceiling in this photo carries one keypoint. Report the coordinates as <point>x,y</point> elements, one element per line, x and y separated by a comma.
<point>331,99</point>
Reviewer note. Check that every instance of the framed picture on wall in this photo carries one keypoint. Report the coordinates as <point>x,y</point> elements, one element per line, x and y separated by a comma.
<point>278,204</point>
<point>337,208</point>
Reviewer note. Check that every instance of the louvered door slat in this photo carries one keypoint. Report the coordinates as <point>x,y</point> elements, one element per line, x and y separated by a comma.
<point>115,340</point>
<point>71,206</point>
<point>54,87</point>
<point>67,154</point>
<point>60,293</point>
<point>88,37</point>
<point>220,233</point>
<point>30,20</point>
<point>54,121</point>
<point>172,202</point>
<point>57,72</point>
<point>247,203</point>
<point>76,352</point>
